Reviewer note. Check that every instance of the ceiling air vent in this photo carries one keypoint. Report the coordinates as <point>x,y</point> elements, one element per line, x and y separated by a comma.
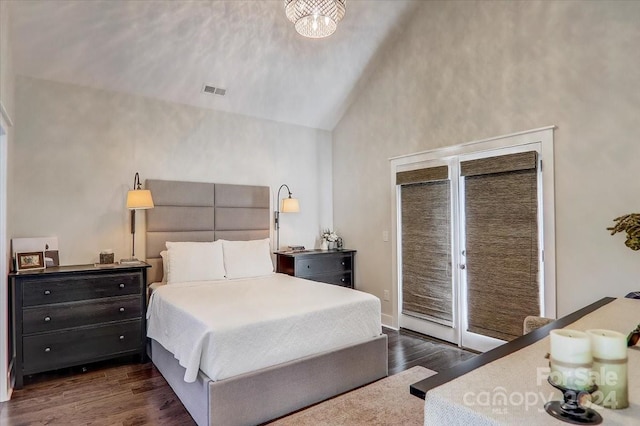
<point>214,90</point>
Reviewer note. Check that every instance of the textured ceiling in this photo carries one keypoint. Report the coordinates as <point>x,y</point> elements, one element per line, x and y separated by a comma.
<point>169,49</point>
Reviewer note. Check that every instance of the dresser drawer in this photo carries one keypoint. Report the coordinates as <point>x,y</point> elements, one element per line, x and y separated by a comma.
<point>341,279</point>
<point>69,289</point>
<point>66,315</point>
<point>65,348</point>
<point>322,264</point>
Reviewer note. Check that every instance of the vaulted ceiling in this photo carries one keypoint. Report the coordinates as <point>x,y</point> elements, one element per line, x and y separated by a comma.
<point>169,49</point>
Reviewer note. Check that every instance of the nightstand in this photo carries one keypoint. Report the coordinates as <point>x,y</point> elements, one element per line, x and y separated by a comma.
<point>73,315</point>
<point>327,266</point>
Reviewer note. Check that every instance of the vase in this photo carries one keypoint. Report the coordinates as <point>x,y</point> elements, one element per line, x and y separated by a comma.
<point>324,245</point>
<point>331,245</point>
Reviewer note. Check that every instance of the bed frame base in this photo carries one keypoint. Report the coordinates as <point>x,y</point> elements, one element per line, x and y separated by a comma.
<point>272,392</point>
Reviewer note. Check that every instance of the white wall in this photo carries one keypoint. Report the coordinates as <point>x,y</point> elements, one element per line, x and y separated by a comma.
<point>464,71</point>
<point>77,150</point>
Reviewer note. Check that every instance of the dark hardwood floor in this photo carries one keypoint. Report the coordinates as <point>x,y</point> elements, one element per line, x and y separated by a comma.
<point>128,394</point>
<point>408,349</point>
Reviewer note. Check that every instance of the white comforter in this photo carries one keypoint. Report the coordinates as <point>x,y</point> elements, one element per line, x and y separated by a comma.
<point>230,327</point>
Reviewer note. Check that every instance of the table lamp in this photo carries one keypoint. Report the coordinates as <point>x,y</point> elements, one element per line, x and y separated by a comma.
<point>137,199</point>
<point>289,205</point>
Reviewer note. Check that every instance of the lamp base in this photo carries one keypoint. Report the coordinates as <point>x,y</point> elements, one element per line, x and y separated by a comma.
<point>570,410</point>
<point>132,261</point>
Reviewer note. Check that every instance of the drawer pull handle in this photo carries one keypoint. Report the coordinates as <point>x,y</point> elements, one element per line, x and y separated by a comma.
<point>47,319</point>
<point>308,266</point>
<point>121,285</point>
<point>342,263</point>
<point>121,337</point>
<point>47,349</point>
<point>47,292</point>
<point>121,309</point>
<point>342,280</point>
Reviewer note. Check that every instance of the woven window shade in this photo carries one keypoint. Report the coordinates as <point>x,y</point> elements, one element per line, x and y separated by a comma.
<point>501,243</point>
<point>504,163</point>
<point>430,174</point>
<point>426,249</point>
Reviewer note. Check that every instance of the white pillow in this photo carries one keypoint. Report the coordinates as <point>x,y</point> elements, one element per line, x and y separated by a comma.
<point>191,261</point>
<point>245,259</point>
<point>165,265</point>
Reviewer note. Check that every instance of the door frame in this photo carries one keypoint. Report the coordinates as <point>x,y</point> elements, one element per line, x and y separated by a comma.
<point>5,385</point>
<point>440,329</point>
<point>544,136</point>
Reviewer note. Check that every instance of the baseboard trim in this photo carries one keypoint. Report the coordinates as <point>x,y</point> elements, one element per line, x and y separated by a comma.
<point>387,321</point>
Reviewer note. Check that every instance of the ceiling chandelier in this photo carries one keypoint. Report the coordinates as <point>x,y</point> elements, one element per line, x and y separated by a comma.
<point>315,18</point>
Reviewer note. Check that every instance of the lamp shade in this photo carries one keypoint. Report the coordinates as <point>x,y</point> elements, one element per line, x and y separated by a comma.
<point>139,199</point>
<point>290,205</point>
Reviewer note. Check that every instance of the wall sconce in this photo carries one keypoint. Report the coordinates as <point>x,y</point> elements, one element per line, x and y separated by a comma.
<point>289,205</point>
<point>137,199</point>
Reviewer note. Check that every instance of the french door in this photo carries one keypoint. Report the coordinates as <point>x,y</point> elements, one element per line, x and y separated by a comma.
<point>470,240</point>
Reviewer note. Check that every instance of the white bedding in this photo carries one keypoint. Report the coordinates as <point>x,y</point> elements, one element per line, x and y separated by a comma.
<point>230,327</point>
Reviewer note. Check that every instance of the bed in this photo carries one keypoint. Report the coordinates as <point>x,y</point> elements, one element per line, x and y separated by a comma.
<point>272,372</point>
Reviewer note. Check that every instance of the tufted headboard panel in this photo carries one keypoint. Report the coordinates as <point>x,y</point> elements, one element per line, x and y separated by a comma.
<point>197,211</point>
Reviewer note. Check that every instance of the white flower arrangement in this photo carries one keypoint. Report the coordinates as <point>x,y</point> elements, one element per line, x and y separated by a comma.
<point>329,236</point>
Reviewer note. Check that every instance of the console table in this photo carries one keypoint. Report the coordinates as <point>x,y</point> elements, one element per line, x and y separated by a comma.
<point>508,384</point>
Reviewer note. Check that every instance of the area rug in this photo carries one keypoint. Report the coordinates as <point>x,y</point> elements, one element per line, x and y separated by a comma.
<point>385,402</point>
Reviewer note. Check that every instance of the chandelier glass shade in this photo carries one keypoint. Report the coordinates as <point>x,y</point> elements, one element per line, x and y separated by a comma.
<point>315,18</point>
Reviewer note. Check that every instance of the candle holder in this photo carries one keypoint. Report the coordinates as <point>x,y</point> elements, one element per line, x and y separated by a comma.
<point>570,410</point>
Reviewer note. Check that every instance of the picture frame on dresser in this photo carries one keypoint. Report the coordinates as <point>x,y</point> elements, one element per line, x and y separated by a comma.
<point>47,244</point>
<point>30,260</point>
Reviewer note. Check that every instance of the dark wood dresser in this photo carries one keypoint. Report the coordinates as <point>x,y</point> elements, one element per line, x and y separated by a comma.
<point>71,315</point>
<point>327,266</point>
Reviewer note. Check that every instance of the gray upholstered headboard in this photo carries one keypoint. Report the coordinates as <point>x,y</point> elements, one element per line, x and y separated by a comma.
<point>196,211</point>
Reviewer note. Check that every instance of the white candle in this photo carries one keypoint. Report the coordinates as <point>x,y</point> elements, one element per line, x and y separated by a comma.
<point>571,359</point>
<point>609,349</point>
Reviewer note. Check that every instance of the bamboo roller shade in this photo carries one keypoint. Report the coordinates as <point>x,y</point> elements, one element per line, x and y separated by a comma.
<point>504,163</point>
<point>426,244</point>
<point>422,175</point>
<point>501,243</point>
